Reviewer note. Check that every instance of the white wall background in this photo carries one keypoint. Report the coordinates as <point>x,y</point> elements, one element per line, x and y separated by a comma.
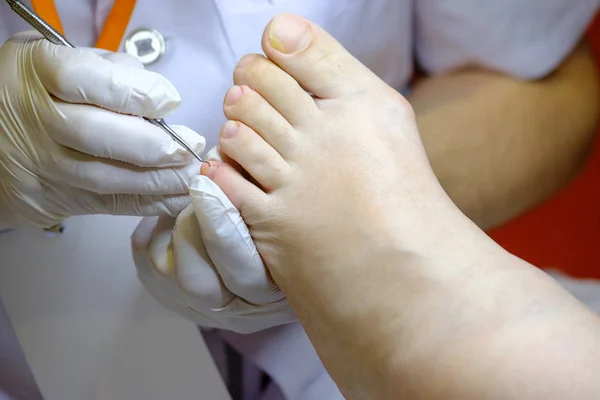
<point>88,329</point>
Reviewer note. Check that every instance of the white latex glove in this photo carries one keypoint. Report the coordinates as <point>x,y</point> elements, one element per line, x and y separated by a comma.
<point>205,266</point>
<point>66,146</point>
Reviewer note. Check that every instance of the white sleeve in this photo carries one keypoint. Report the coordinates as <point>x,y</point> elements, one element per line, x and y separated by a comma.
<point>524,38</point>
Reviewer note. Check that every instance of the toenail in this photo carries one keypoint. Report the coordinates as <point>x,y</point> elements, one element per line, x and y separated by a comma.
<point>289,34</point>
<point>209,169</point>
<point>233,95</point>
<point>230,129</point>
<point>245,60</point>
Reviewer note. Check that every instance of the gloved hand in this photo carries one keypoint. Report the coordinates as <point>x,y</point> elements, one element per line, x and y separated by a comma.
<point>71,142</point>
<point>205,266</point>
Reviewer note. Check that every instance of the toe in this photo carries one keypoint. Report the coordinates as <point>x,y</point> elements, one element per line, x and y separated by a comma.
<point>277,87</point>
<point>244,146</point>
<point>314,58</point>
<point>245,105</point>
<point>242,193</point>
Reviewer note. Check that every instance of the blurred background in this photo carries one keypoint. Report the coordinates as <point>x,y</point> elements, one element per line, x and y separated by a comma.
<point>564,232</point>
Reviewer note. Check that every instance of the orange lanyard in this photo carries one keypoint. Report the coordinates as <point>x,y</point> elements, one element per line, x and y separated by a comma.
<point>114,28</point>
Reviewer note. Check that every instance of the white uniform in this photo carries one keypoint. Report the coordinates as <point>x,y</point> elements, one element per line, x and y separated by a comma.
<point>206,38</point>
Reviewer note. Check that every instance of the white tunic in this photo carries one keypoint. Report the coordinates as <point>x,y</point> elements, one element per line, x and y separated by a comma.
<point>204,40</point>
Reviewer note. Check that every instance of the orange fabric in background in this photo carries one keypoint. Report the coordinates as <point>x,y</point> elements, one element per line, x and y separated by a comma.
<point>47,10</point>
<point>564,232</point>
<point>116,25</point>
<point>114,28</point>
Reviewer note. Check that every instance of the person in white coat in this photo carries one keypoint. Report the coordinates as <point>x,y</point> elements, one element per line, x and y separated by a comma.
<point>485,80</point>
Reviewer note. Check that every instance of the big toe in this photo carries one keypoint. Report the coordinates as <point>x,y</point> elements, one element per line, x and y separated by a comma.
<point>318,62</point>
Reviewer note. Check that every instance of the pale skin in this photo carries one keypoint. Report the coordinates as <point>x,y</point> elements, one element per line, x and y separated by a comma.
<point>402,295</point>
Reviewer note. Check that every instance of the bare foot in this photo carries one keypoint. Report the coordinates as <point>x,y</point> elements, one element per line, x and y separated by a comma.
<point>341,201</point>
<point>381,268</point>
<point>345,165</point>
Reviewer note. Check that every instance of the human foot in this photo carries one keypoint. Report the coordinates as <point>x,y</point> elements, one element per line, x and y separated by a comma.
<point>343,205</point>
<point>341,164</point>
<point>381,268</point>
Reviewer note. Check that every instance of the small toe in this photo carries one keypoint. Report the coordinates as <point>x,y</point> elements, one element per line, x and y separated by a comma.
<point>248,107</point>
<point>247,148</point>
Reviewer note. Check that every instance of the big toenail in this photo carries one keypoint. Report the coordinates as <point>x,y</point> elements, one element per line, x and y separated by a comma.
<point>230,129</point>
<point>289,34</point>
<point>233,95</point>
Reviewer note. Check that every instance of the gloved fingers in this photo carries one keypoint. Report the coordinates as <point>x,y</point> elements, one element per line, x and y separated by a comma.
<point>81,76</point>
<point>104,176</point>
<point>268,317</point>
<point>24,37</point>
<point>73,201</point>
<point>142,206</point>
<point>162,287</point>
<point>140,242</point>
<point>214,154</point>
<point>241,317</point>
<point>229,244</point>
<point>160,248</point>
<point>194,270</point>
<point>152,243</point>
<point>235,314</point>
<point>123,59</point>
<point>102,133</point>
<point>17,212</point>
<point>176,251</point>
